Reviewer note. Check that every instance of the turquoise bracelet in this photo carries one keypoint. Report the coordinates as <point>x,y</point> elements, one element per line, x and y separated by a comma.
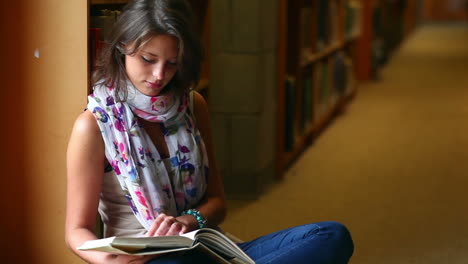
<point>198,216</point>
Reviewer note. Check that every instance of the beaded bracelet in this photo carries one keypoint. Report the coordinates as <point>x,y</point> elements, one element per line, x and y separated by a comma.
<point>198,216</point>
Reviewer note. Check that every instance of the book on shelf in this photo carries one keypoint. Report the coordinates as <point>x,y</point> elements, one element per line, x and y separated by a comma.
<point>339,73</point>
<point>94,46</point>
<point>307,99</point>
<point>104,19</point>
<point>104,23</point>
<point>352,20</point>
<point>290,87</point>
<point>333,30</point>
<point>212,242</point>
<point>323,88</point>
<point>305,24</point>
<point>322,25</point>
<point>350,76</point>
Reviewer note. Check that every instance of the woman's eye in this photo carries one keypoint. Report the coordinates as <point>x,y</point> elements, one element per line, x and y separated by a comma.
<point>172,63</point>
<point>146,59</point>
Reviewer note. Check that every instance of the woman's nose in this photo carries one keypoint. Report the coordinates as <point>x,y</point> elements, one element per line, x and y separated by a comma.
<point>158,72</point>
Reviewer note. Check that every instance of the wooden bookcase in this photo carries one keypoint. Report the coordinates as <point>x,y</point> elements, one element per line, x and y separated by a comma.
<point>445,10</point>
<point>391,22</point>
<point>325,47</point>
<point>99,22</point>
<point>316,73</point>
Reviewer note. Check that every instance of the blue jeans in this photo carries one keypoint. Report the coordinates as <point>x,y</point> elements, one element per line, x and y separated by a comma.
<point>321,243</point>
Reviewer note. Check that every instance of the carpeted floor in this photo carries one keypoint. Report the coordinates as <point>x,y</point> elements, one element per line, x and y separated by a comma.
<point>393,167</point>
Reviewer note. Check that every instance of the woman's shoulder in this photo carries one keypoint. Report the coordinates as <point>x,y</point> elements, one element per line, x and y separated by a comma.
<point>86,142</point>
<point>199,102</point>
<point>201,112</point>
<point>86,123</point>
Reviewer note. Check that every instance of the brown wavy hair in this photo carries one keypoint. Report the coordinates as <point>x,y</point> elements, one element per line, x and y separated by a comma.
<point>139,21</point>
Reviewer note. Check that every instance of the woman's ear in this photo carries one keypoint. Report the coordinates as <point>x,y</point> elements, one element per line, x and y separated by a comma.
<point>122,48</point>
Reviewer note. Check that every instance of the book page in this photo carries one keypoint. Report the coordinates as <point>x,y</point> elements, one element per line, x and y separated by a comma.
<point>98,243</point>
<point>222,245</point>
<point>191,234</point>
<point>138,245</point>
<point>209,240</point>
<point>212,254</point>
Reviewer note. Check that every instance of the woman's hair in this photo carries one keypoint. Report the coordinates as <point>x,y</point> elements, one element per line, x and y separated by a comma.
<point>139,22</point>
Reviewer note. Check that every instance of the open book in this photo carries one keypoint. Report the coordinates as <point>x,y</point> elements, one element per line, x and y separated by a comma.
<point>212,242</point>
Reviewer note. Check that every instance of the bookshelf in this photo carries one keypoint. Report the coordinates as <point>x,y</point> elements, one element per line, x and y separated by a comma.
<point>317,51</point>
<point>391,22</point>
<point>325,47</point>
<point>445,10</point>
<point>102,15</point>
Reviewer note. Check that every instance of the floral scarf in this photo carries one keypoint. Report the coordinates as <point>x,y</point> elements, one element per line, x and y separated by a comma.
<point>141,172</point>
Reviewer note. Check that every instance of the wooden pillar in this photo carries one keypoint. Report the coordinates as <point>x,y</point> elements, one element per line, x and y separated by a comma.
<point>364,43</point>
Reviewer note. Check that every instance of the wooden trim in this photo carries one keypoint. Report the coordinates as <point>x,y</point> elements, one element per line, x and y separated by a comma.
<point>364,43</point>
<point>281,62</point>
<point>322,54</point>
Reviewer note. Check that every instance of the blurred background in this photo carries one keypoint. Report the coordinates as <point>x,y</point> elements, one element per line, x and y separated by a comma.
<point>346,110</point>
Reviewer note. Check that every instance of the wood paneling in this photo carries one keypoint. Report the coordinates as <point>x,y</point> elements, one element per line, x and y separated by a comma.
<point>46,81</point>
<point>446,10</point>
<point>13,223</point>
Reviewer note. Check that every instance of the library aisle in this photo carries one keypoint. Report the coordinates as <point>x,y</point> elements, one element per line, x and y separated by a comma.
<point>393,167</point>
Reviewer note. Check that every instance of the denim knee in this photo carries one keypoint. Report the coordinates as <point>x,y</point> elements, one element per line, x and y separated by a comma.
<point>341,236</point>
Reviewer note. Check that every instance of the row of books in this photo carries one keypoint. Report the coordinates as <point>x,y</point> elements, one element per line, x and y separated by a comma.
<point>352,19</point>
<point>327,23</point>
<point>320,24</point>
<point>314,93</point>
<point>101,23</point>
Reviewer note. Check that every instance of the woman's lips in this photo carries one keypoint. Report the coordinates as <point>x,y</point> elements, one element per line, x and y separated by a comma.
<point>153,85</point>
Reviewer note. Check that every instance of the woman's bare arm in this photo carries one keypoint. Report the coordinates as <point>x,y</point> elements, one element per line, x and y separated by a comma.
<point>214,206</point>
<point>85,171</point>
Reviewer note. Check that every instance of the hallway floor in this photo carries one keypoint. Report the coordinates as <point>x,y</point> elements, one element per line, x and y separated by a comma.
<point>393,167</point>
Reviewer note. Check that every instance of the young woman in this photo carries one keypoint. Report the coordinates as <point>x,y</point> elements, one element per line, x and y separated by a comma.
<point>142,155</point>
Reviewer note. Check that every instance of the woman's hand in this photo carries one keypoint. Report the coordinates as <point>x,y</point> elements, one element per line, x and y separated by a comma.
<point>166,225</point>
<point>128,259</point>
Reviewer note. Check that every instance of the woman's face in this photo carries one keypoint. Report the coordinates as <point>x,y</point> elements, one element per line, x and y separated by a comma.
<point>152,67</point>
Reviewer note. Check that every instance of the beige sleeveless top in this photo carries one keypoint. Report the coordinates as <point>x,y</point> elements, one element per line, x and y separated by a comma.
<point>116,214</point>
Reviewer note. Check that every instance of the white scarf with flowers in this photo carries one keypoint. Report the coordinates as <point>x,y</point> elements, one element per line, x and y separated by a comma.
<point>136,162</point>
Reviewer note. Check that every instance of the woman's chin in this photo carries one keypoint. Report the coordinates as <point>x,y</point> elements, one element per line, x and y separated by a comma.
<point>150,91</point>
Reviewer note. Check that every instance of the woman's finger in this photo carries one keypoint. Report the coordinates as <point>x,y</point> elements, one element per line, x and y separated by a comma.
<point>183,230</point>
<point>175,229</point>
<point>127,259</point>
<point>165,226</point>
<point>155,225</point>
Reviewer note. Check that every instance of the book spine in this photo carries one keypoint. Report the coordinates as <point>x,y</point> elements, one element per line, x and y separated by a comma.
<point>289,113</point>
<point>307,99</point>
<point>322,24</point>
<point>339,74</point>
<point>305,24</point>
<point>94,47</point>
